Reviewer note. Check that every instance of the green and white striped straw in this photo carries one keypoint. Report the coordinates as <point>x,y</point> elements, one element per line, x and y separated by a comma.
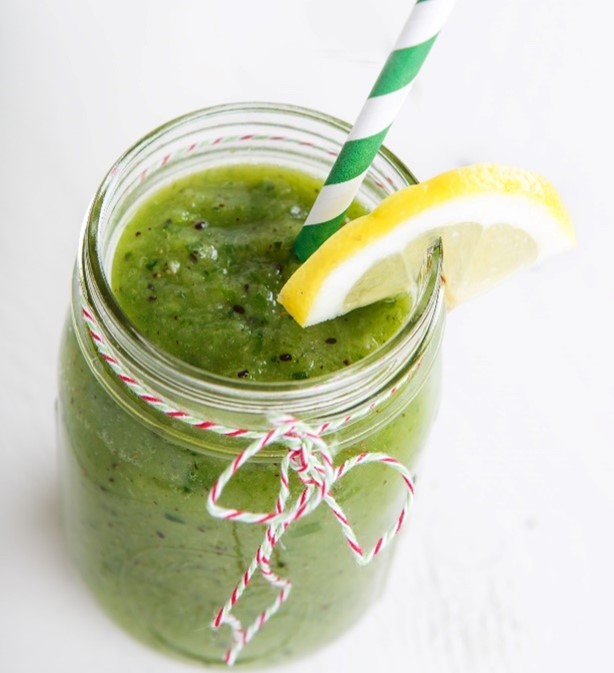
<point>374,120</point>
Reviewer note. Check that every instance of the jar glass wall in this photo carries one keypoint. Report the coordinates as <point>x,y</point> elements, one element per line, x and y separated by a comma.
<point>135,481</point>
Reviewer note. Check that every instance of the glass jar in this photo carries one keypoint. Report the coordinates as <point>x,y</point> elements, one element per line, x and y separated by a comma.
<point>135,479</point>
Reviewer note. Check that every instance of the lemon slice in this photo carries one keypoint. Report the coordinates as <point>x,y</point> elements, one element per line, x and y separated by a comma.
<point>493,220</point>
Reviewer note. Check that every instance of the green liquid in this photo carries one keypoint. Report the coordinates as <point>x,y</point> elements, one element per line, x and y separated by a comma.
<point>199,266</point>
<point>135,491</point>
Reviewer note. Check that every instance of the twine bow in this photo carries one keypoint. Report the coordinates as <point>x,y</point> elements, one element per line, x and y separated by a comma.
<point>309,457</point>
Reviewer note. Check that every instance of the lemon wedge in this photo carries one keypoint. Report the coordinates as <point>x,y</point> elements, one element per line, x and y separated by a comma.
<point>493,220</point>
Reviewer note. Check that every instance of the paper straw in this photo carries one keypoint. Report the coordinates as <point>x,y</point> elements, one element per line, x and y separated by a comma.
<point>374,120</point>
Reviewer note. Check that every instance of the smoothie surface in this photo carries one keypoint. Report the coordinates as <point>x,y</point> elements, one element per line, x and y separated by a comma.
<point>198,268</point>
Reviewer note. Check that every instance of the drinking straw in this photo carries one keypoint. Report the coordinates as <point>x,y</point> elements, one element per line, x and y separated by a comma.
<point>366,136</point>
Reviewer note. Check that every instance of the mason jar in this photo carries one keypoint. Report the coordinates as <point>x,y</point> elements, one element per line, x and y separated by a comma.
<point>137,478</point>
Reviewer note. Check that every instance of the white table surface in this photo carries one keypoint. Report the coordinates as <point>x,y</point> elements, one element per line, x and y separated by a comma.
<point>507,562</point>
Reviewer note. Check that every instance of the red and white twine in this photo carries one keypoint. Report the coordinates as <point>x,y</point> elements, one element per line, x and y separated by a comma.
<point>208,143</point>
<point>308,456</point>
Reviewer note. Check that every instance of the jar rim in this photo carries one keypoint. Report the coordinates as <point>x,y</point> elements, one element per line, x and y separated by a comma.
<point>167,372</point>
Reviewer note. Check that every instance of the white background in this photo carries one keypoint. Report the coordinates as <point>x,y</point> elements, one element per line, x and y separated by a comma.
<point>507,562</point>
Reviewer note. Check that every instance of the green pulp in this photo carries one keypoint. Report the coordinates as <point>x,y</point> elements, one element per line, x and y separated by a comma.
<point>135,483</point>
<point>199,266</point>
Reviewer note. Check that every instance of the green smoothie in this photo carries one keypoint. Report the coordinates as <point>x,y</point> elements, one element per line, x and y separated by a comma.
<point>199,266</point>
<point>196,271</point>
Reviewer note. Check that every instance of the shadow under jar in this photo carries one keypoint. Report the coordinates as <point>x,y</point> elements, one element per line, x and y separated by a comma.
<point>135,481</point>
